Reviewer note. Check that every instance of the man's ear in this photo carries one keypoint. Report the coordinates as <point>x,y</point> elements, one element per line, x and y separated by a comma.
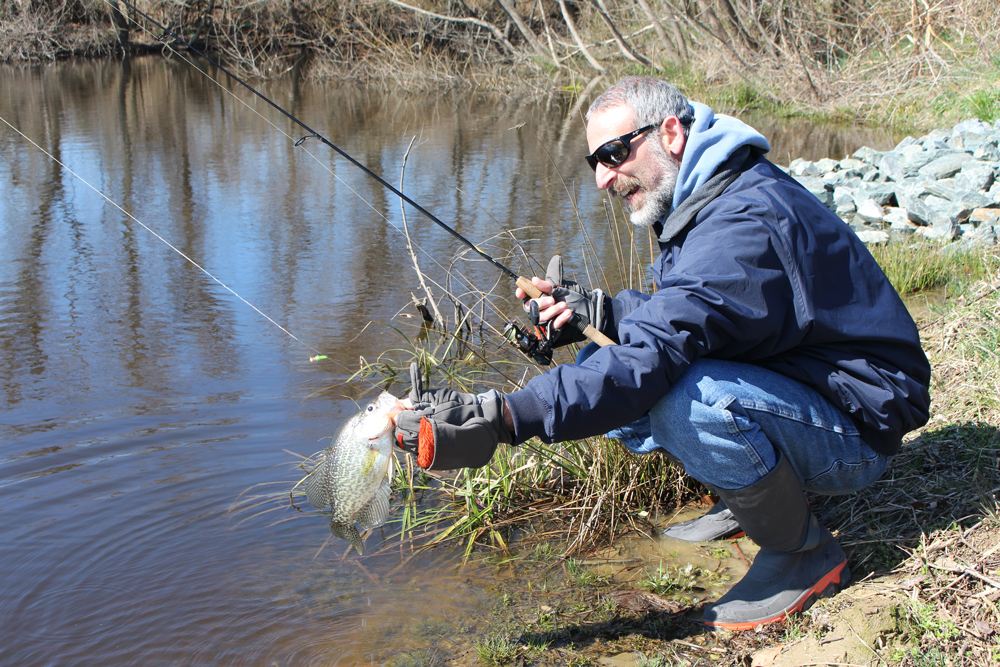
<point>672,137</point>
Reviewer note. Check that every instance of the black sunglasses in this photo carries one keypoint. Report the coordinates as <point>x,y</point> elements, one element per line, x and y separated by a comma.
<point>613,153</point>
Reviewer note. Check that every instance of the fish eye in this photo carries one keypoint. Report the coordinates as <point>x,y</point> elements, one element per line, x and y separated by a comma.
<point>370,408</point>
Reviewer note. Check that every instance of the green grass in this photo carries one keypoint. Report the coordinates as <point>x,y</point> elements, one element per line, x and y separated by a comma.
<point>497,649</point>
<point>917,266</point>
<point>984,103</point>
<point>669,579</point>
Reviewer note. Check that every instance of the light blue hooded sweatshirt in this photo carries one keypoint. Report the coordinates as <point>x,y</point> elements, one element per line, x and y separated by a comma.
<point>713,138</point>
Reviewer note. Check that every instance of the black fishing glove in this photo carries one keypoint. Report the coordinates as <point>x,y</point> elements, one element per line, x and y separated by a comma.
<point>449,429</point>
<point>587,305</point>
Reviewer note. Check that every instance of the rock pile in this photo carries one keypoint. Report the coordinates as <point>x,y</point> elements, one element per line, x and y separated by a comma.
<point>944,186</point>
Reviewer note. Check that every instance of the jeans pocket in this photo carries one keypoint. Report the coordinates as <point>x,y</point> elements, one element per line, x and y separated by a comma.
<point>847,477</point>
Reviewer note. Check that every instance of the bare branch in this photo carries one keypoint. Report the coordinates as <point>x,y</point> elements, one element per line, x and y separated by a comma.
<point>579,42</point>
<point>529,35</point>
<point>623,46</point>
<point>497,34</point>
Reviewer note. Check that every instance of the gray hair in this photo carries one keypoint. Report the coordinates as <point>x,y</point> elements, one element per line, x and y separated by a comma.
<point>650,99</point>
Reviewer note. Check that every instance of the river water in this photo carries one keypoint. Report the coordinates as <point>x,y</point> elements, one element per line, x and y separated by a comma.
<point>141,400</point>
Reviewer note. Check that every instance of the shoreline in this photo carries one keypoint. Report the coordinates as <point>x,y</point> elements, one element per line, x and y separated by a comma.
<point>867,65</point>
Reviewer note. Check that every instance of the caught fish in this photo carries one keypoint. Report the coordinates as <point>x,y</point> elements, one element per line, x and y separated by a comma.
<point>351,477</point>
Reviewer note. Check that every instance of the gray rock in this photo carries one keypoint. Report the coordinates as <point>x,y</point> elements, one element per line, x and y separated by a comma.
<point>897,220</point>
<point>941,188</point>
<point>882,193</point>
<point>914,157</point>
<point>820,189</point>
<point>833,179</point>
<point>856,223</point>
<point>935,143</point>
<point>966,141</point>
<point>871,213</point>
<point>972,200</point>
<point>916,210</point>
<point>800,167</point>
<point>945,166</point>
<point>994,193</point>
<point>974,177</point>
<point>916,188</point>
<point>939,233</point>
<point>873,236</point>
<point>985,216</point>
<point>867,155</point>
<point>984,235</point>
<point>972,126</point>
<point>893,167</point>
<point>939,204</point>
<point>908,141</point>
<point>947,226</point>
<point>826,165</point>
<point>987,152</point>
<point>843,201</point>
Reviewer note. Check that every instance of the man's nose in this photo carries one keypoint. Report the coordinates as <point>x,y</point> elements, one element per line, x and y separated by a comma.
<point>604,176</point>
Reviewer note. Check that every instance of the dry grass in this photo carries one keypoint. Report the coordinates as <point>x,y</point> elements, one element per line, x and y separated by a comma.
<point>852,60</point>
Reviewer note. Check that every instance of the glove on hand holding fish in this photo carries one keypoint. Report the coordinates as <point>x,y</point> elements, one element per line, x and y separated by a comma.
<point>351,476</point>
<point>588,305</point>
<point>448,429</point>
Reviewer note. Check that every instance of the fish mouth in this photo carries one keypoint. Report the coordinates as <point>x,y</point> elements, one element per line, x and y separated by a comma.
<point>390,406</point>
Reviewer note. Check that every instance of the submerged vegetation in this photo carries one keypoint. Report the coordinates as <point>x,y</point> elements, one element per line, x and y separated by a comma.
<point>908,62</point>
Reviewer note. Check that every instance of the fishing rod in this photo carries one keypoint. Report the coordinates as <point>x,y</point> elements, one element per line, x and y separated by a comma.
<point>530,343</point>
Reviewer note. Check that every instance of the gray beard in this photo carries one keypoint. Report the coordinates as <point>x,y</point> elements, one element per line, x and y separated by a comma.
<point>656,201</point>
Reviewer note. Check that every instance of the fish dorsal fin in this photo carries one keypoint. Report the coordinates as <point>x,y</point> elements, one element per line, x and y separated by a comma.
<point>376,511</point>
<point>317,488</point>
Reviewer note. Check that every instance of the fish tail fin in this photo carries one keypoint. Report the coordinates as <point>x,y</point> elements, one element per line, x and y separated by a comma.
<point>347,531</point>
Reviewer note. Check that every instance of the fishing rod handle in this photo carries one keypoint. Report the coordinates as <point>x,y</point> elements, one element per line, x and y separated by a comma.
<point>587,330</point>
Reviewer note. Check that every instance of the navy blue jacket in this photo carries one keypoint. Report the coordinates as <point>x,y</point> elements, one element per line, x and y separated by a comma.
<point>763,274</point>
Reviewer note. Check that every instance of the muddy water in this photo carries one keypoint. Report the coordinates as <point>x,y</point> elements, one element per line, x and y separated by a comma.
<point>140,399</point>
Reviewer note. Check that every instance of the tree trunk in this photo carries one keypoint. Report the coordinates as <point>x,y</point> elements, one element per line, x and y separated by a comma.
<point>122,24</point>
<point>623,46</point>
<point>668,46</point>
<point>529,36</point>
<point>576,37</point>
<point>678,33</point>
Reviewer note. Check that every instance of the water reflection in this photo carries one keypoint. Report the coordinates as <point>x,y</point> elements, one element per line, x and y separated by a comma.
<point>140,397</point>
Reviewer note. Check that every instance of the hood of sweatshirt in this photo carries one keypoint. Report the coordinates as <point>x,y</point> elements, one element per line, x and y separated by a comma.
<point>712,140</point>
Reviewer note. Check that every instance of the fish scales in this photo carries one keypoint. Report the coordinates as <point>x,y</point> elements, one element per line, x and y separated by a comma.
<point>351,476</point>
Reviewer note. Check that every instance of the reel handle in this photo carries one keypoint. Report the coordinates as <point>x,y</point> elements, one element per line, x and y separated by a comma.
<point>587,330</point>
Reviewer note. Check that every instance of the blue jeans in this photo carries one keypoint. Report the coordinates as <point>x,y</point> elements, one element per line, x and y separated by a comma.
<point>727,422</point>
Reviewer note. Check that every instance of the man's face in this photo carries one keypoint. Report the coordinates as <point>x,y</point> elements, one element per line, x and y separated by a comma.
<point>646,180</point>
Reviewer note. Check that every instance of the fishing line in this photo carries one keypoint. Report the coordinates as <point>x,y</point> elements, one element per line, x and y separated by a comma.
<point>153,232</point>
<point>526,285</point>
<point>300,144</point>
<point>311,132</point>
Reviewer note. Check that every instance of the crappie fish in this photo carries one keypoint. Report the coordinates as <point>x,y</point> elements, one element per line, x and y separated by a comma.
<point>351,476</point>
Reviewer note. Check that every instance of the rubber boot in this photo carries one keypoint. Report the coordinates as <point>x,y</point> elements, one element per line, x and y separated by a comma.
<point>799,560</point>
<point>715,524</point>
